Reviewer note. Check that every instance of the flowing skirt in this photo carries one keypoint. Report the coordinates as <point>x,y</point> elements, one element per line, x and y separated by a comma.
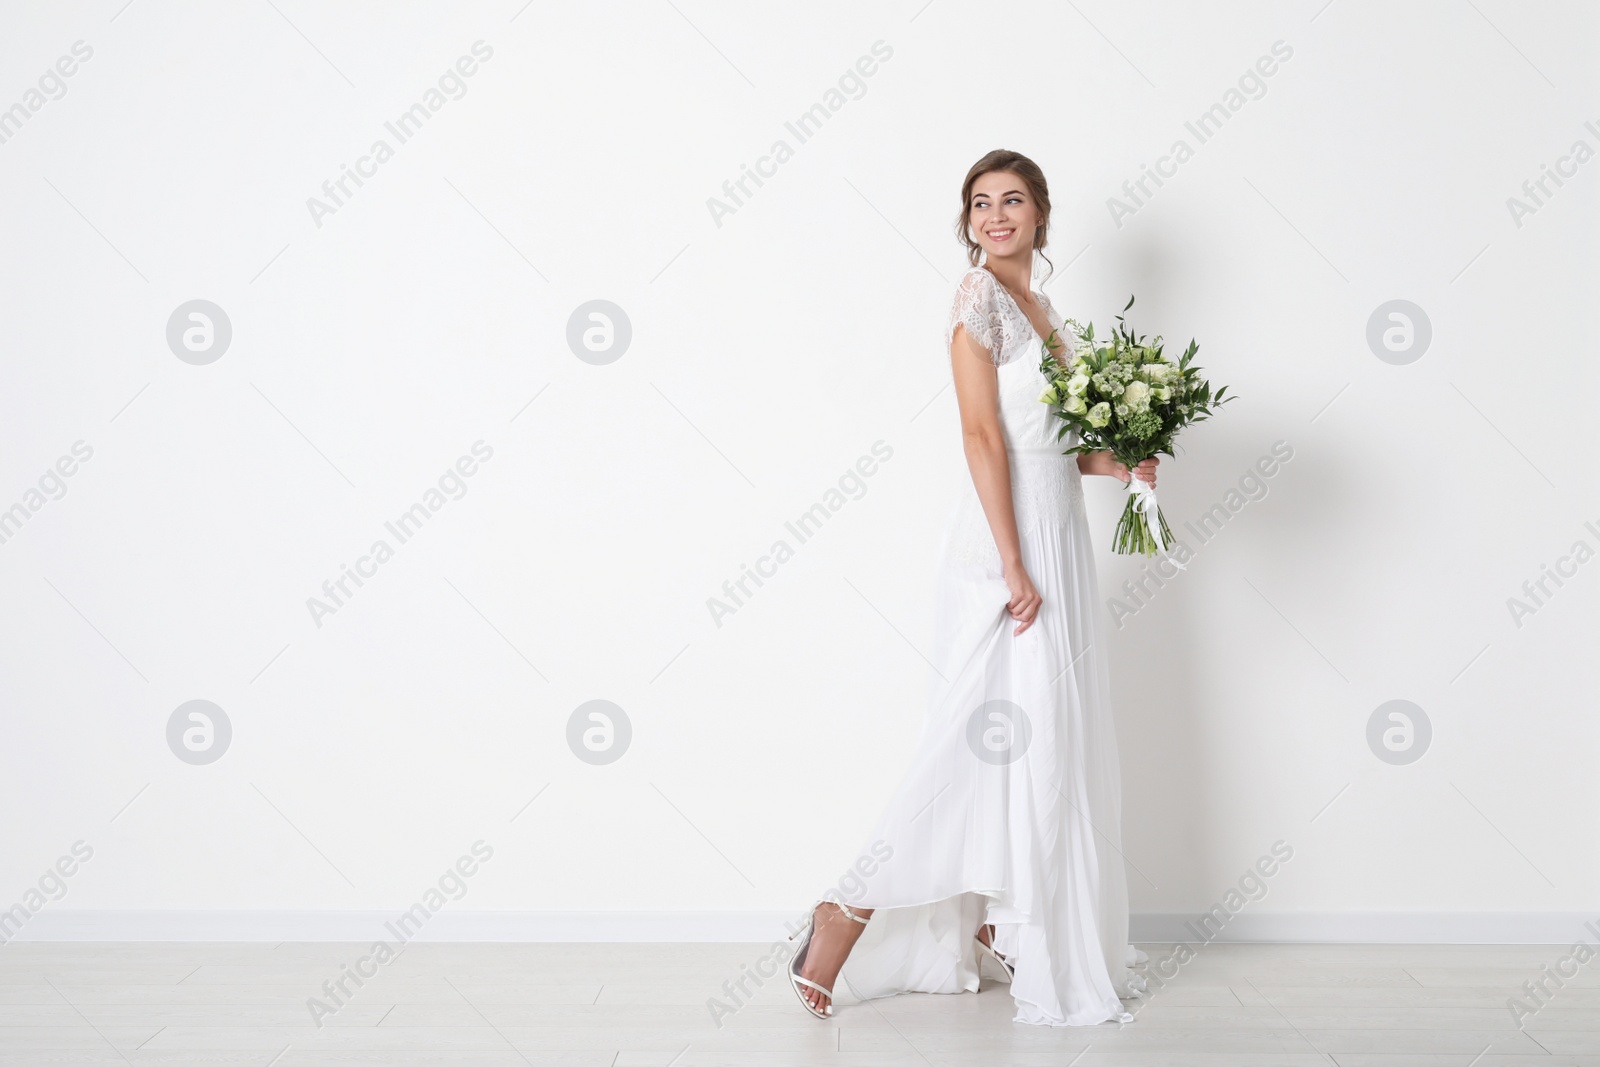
<point>1011,810</point>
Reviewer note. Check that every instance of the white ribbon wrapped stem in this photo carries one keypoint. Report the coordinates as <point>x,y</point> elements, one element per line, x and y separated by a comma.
<point>1144,502</point>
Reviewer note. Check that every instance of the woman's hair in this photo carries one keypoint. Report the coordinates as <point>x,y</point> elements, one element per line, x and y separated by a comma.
<point>1032,177</point>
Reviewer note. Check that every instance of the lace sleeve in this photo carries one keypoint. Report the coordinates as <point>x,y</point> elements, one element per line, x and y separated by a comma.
<point>976,307</point>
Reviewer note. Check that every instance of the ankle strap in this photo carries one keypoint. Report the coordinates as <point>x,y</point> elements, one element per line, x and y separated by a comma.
<point>842,906</point>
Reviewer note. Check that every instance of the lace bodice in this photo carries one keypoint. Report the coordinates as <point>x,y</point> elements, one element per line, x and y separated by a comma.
<point>991,316</point>
<point>1008,339</point>
<point>1045,484</point>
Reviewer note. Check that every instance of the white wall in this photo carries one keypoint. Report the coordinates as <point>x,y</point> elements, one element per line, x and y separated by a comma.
<point>768,353</point>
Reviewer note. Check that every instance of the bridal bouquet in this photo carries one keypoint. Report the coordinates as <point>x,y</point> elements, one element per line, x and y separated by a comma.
<point>1124,397</point>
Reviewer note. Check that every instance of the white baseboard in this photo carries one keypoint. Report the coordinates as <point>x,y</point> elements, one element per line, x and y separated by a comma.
<point>65,924</point>
<point>363,926</point>
<point>1372,928</point>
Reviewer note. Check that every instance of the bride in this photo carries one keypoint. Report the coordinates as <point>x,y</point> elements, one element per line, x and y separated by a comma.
<point>1001,847</point>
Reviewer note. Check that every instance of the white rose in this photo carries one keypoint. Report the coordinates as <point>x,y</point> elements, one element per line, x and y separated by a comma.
<point>1077,384</point>
<point>1074,405</point>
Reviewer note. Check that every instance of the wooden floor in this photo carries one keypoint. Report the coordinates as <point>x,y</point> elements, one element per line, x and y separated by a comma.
<point>617,1005</point>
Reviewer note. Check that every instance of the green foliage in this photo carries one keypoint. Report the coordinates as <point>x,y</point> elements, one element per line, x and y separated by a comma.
<point>1112,366</point>
<point>1124,396</point>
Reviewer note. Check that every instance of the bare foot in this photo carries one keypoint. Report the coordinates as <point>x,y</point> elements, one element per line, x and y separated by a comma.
<point>832,938</point>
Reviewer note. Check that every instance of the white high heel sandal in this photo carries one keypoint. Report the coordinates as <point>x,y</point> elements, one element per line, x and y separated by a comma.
<point>799,959</point>
<point>988,952</point>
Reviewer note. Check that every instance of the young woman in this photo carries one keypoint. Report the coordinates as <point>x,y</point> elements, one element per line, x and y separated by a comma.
<point>1002,845</point>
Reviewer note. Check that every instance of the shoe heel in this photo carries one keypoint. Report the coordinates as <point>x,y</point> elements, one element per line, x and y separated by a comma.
<point>987,953</point>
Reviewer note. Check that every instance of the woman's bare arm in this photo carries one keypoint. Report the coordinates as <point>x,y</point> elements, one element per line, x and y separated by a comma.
<point>978,396</point>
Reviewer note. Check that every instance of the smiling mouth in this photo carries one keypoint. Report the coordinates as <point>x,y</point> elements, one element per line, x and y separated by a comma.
<point>1000,235</point>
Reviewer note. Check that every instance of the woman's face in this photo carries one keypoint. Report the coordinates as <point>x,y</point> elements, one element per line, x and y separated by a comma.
<point>1002,213</point>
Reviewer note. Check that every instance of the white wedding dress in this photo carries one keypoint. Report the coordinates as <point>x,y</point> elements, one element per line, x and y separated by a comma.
<point>1011,810</point>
